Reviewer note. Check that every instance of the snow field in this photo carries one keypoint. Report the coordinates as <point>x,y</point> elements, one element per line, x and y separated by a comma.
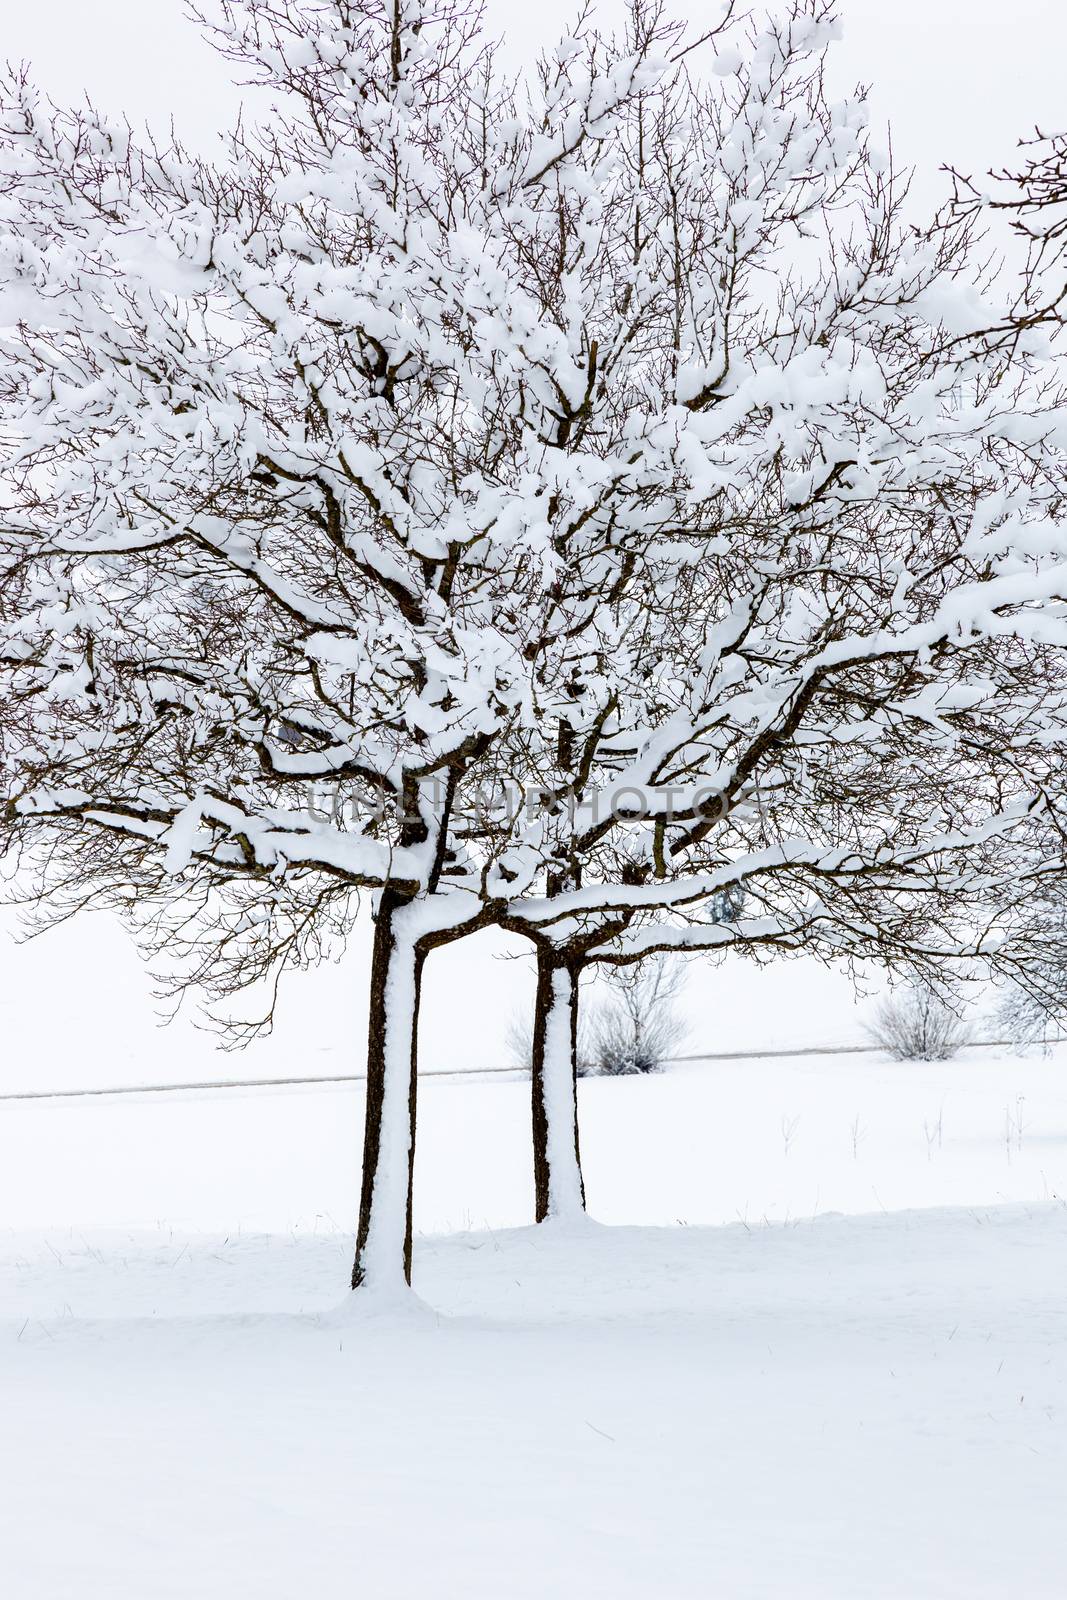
<point>705,1142</point>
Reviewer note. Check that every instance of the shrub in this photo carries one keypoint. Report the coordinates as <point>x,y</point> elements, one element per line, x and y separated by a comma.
<point>916,1024</point>
<point>638,1028</point>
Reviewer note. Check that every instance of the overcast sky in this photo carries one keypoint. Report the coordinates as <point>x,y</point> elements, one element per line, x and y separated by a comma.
<point>960,80</point>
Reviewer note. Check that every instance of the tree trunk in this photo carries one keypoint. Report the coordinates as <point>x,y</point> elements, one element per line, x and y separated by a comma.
<point>559,1191</point>
<point>383,1244</point>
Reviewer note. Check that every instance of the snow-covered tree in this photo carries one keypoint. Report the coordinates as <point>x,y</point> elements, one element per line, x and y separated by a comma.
<point>609,434</point>
<point>1031,1000</point>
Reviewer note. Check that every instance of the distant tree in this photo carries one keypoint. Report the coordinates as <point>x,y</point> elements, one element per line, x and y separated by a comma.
<point>1031,1003</point>
<point>1028,1019</point>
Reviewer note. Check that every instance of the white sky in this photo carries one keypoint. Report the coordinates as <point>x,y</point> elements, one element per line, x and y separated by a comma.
<point>960,81</point>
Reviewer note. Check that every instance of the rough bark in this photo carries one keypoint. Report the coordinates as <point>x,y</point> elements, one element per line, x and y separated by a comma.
<point>559,1190</point>
<point>383,1243</point>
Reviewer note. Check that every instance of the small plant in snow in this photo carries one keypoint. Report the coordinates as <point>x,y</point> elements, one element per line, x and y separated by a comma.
<point>1014,1125</point>
<point>933,1132</point>
<point>916,1024</point>
<point>857,1133</point>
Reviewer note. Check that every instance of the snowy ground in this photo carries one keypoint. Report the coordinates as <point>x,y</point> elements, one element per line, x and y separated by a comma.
<point>846,1408</point>
<point>774,1400</point>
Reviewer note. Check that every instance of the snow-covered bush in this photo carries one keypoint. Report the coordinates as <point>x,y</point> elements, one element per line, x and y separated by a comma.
<point>916,1024</point>
<point>638,1028</point>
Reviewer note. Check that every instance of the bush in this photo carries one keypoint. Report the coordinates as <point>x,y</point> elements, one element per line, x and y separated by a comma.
<point>638,1028</point>
<point>916,1024</point>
